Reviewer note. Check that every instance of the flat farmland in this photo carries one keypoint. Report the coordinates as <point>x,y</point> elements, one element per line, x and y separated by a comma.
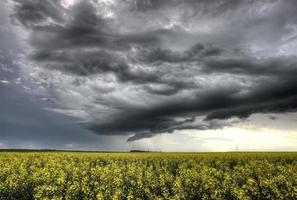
<point>99,175</point>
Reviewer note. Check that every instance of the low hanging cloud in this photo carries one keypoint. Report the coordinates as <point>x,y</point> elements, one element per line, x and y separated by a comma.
<point>149,67</point>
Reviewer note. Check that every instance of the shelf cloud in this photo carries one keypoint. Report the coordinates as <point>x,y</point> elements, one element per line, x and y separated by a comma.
<point>146,67</point>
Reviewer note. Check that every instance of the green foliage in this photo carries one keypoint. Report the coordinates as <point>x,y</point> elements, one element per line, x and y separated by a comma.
<point>145,176</point>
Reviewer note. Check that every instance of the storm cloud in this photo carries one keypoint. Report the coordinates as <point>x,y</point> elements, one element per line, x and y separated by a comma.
<point>141,68</point>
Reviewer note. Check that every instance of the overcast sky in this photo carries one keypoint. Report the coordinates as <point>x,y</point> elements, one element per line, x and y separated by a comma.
<point>170,75</point>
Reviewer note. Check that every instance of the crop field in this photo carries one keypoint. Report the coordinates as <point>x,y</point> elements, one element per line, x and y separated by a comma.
<point>82,175</point>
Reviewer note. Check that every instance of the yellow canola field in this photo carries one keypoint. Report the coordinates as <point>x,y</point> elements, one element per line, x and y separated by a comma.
<point>174,176</point>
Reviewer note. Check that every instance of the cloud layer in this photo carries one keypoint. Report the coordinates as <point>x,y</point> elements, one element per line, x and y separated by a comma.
<point>142,68</point>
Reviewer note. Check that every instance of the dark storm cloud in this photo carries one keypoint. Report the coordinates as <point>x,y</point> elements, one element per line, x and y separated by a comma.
<point>170,65</point>
<point>275,97</point>
<point>25,124</point>
<point>275,66</point>
<point>220,6</point>
<point>31,12</point>
<point>9,47</point>
<point>194,53</point>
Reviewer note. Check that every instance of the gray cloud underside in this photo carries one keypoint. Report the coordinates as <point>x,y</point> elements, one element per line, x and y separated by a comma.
<point>149,67</point>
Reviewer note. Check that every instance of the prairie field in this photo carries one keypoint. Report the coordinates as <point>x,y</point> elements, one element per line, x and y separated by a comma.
<point>95,175</point>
